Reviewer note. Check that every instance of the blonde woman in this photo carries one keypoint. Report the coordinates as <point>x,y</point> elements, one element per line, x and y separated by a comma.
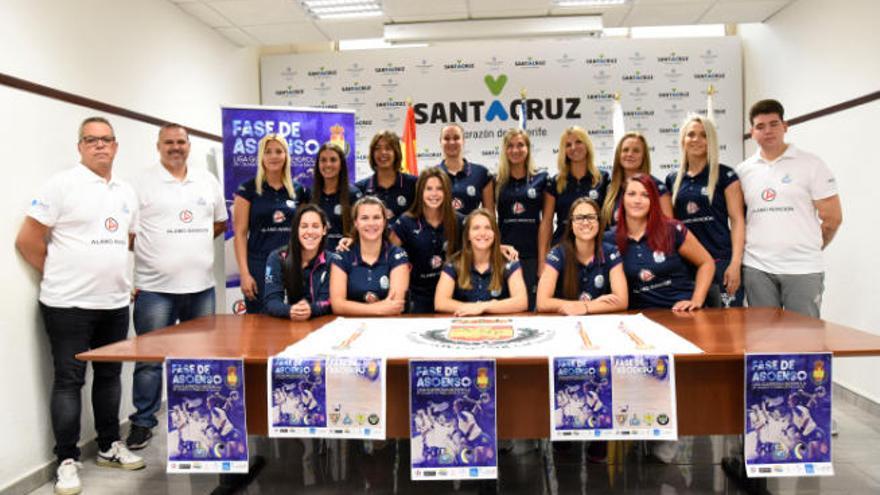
<point>261,216</point>
<point>631,157</point>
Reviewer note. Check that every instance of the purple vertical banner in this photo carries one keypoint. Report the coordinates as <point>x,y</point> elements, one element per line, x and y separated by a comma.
<point>297,396</point>
<point>207,428</point>
<point>452,420</point>
<point>305,130</point>
<point>581,398</point>
<point>788,415</point>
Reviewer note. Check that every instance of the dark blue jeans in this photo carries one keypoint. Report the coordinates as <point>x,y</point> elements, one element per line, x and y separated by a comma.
<point>71,331</point>
<point>154,310</point>
<point>717,296</point>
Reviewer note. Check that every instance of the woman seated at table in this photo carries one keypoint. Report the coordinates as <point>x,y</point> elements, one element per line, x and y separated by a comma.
<point>371,278</point>
<point>297,275</point>
<point>477,280</point>
<point>429,232</point>
<point>581,275</point>
<point>656,251</point>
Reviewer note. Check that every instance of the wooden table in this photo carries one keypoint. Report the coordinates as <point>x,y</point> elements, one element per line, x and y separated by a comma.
<point>709,386</point>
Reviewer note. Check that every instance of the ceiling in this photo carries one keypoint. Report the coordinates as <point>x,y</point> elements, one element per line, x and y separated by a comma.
<point>267,23</point>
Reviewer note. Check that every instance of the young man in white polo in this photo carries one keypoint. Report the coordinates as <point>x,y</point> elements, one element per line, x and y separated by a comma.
<point>792,213</point>
<point>76,234</point>
<point>181,211</point>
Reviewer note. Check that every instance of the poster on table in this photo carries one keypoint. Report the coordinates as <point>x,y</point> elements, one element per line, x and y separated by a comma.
<point>452,420</point>
<point>788,415</point>
<point>534,336</point>
<point>613,397</point>
<point>297,396</point>
<point>356,398</point>
<point>305,130</point>
<point>207,428</point>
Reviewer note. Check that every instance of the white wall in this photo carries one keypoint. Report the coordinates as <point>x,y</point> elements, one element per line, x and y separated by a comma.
<point>144,55</point>
<point>811,55</point>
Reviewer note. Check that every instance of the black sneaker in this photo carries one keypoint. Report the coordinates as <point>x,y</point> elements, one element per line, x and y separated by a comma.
<point>138,437</point>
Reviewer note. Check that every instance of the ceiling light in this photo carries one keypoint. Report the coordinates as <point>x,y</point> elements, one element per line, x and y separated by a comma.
<point>516,27</point>
<point>588,3</point>
<point>335,9</point>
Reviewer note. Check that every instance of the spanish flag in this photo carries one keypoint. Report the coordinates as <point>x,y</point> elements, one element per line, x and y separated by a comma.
<point>408,142</point>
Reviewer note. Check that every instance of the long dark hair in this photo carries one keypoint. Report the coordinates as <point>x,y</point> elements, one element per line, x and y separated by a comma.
<point>291,265</point>
<point>447,212</point>
<point>659,237</point>
<point>341,186</point>
<point>571,286</point>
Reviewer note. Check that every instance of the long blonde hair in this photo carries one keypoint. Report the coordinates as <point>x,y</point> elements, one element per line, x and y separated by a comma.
<point>504,164</point>
<point>285,173</point>
<point>617,173</point>
<point>564,167</point>
<point>711,155</point>
<point>463,261</point>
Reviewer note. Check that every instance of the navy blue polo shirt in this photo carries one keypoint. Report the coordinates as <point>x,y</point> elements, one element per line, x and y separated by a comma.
<point>708,222</point>
<point>479,290</point>
<point>574,189</point>
<point>656,279</point>
<point>426,247</point>
<point>270,216</point>
<point>519,213</point>
<point>369,283</point>
<point>333,209</point>
<point>467,186</point>
<point>397,198</point>
<point>595,277</point>
<point>316,285</point>
<point>662,190</point>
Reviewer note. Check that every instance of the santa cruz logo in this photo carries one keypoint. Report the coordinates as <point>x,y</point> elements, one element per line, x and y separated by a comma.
<point>186,216</point>
<point>768,194</point>
<point>111,224</point>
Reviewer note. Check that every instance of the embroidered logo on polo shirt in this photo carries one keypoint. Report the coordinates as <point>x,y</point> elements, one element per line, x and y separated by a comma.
<point>599,281</point>
<point>531,193</point>
<point>383,282</point>
<point>659,256</point>
<point>290,203</point>
<point>786,179</point>
<point>201,201</point>
<point>186,216</point>
<point>111,224</point>
<point>593,194</point>
<point>401,200</point>
<point>646,275</point>
<point>518,208</point>
<point>692,208</point>
<point>278,216</point>
<point>471,191</point>
<point>337,210</point>
<point>704,191</point>
<point>768,194</point>
<point>495,293</point>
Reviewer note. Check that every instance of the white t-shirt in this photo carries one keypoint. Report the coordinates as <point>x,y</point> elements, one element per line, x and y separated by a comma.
<point>89,220</point>
<point>783,232</point>
<point>174,247</point>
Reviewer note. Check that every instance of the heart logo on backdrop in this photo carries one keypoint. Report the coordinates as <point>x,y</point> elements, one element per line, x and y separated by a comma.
<point>495,85</point>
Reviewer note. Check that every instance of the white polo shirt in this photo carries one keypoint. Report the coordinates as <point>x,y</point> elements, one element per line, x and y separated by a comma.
<point>783,232</point>
<point>90,220</point>
<point>174,247</point>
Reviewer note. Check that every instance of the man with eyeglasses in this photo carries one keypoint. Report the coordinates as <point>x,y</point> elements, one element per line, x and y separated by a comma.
<point>180,211</point>
<point>792,213</point>
<point>76,235</point>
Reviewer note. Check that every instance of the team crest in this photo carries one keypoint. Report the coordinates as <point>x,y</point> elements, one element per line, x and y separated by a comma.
<point>518,208</point>
<point>383,282</point>
<point>593,194</point>
<point>659,256</point>
<point>768,194</point>
<point>531,193</point>
<point>401,200</point>
<point>704,191</point>
<point>495,293</point>
<point>456,203</point>
<point>585,296</point>
<point>436,261</point>
<point>599,281</point>
<point>186,216</point>
<point>370,297</point>
<point>278,216</point>
<point>471,191</point>
<point>290,203</point>
<point>111,224</point>
<point>646,275</point>
<point>692,208</point>
<point>337,210</point>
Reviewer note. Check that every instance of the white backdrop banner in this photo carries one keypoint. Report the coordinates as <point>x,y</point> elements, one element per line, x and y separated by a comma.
<point>567,83</point>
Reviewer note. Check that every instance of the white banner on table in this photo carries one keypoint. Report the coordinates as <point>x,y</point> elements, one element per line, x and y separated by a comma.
<point>613,398</point>
<point>535,336</point>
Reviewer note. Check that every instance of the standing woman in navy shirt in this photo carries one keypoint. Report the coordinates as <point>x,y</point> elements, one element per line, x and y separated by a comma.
<point>372,277</point>
<point>656,251</point>
<point>332,191</point>
<point>577,177</point>
<point>477,280</point>
<point>297,275</point>
<point>430,233</point>
<point>261,214</point>
<point>388,183</point>
<point>583,276</point>
<point>631,157</point>
<point>706,196</point>
<point>471,183</point>
<point>519,195</point>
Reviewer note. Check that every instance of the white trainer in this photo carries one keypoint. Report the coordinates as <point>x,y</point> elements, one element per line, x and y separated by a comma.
<point>118,456</point>
<point>67,482</point>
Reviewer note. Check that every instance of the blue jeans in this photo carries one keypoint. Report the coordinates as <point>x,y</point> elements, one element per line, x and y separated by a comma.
<point>154,310</point>
<point>717,296</point>
<point>71,331</point>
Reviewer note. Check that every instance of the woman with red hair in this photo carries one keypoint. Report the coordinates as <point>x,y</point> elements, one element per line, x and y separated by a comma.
<point>656,251</point>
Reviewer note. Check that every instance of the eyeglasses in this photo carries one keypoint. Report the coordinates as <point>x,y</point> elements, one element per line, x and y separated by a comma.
<point>592,218</point>
<point>93,140</point>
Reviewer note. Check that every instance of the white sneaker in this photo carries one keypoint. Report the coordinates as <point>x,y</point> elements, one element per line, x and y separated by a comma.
<point>67,482</point>
<point>119,456</point>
